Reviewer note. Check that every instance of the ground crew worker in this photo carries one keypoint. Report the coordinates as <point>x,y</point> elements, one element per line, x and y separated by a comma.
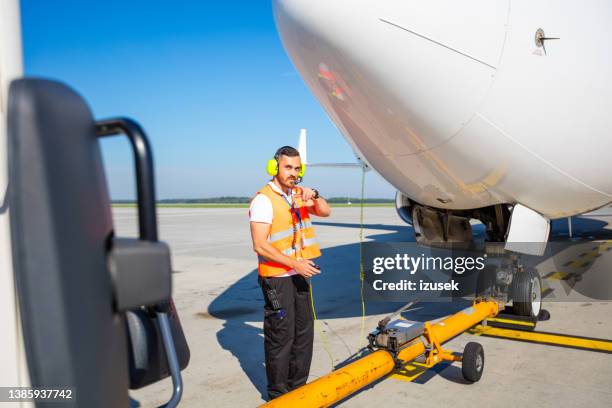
<point>284,240</point>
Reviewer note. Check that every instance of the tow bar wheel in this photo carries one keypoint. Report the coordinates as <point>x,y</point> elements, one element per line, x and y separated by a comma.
<point>472,363</point>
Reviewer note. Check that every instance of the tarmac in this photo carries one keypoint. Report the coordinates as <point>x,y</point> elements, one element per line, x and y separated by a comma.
<point>220,306</point>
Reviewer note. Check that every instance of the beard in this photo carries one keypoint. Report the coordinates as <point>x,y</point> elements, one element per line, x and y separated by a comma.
<point>288,182</point>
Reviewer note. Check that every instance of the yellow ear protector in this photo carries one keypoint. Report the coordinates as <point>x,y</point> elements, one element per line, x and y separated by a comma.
<point>272,166</point>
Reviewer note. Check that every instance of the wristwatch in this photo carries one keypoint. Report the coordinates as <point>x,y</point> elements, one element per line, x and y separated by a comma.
<point>316,193</point>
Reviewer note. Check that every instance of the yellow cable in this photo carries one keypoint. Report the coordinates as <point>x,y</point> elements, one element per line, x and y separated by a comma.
<point>361,273</point>
<point>361,278</point>
<point>321,333</point>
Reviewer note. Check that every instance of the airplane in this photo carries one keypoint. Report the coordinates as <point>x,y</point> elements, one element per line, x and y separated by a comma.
<point>489,110</point>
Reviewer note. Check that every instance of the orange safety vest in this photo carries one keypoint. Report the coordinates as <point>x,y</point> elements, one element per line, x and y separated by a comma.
<point>286,233</point>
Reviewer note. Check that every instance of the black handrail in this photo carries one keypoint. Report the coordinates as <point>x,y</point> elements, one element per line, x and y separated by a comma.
<point>147,227</point>
<point>145,178</point>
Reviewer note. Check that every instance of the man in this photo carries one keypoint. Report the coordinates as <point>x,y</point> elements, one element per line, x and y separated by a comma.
<point>283,238</point>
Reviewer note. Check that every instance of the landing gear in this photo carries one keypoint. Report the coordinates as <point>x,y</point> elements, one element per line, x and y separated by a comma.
<point>526,293</point>
<point>508,280</point>
<point>472,363</point>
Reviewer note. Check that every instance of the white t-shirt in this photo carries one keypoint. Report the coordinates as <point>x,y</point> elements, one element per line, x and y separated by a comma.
<point>261,211</point>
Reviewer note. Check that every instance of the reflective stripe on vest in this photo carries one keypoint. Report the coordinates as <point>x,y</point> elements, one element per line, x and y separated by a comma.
<point>282,232</point>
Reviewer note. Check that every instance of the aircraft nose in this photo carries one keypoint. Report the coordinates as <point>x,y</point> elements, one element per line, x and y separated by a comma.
<point>402,77</point>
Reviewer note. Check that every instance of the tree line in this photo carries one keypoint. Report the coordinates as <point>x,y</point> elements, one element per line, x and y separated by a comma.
<point>244,200</point>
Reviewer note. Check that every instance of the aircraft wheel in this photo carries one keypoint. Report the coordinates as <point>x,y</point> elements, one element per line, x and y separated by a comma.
<point>472,363</point>
<point>527,293</point>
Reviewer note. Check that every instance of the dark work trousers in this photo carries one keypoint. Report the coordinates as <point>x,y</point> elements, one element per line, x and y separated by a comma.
<point>288,336</point>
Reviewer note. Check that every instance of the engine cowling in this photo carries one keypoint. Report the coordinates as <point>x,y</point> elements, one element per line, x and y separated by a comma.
<point>403,206</point>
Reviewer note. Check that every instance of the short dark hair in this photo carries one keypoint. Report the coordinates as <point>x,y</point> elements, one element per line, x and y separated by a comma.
<point>286,151</point>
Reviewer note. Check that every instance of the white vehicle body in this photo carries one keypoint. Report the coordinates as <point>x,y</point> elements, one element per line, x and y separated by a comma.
<point>456,105</point>
<point>12,353</point>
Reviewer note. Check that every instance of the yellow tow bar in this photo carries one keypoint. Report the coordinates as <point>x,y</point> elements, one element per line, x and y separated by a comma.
<point>349,379</point>
<point>544,338</point>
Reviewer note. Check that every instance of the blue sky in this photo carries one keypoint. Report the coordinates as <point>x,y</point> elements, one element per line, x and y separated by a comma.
<point>208,80</point>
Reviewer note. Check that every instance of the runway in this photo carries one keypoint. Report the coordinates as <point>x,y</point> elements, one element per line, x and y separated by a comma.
<point>220,305</point>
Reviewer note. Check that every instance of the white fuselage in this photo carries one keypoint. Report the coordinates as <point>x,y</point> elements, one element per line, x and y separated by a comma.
<point>454,103</point>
